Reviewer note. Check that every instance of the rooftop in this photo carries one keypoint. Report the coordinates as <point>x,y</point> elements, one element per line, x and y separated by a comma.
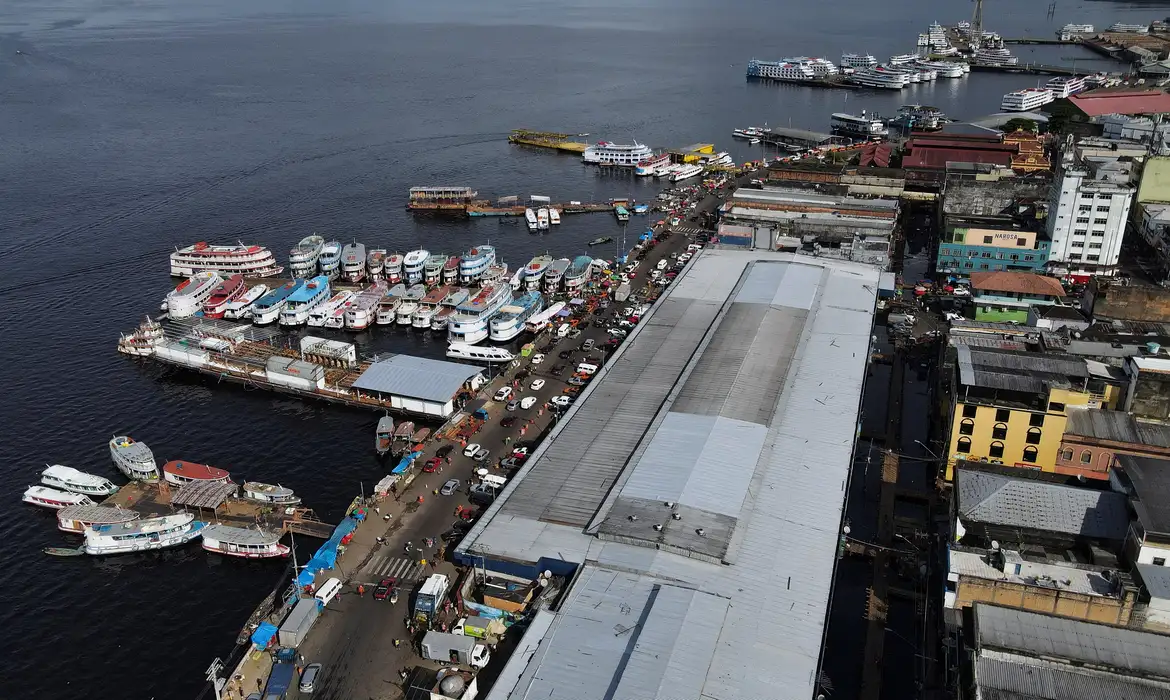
<point>1022,503</point>
<point>1156,579</point>
<point>1095,103</point>
<point>1014,677</point>
<point>1017,283</point>
<point>416,378</point>
<point>1030,372</point>
<point>1055,576</point>
<point>1116,426</point>
<point>1150,481</point>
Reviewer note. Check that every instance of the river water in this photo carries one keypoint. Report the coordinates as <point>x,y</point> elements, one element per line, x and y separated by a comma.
<point>128,127</point>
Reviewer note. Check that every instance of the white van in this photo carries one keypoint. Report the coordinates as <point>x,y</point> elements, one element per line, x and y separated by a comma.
<point>563,330</point>
<point>328,591</point>
<point>586,368</point>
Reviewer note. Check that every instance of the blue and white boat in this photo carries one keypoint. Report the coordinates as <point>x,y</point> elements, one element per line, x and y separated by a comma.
<point>554,275</point>
<point>470,322</point>
<point>301,302</point>
<point>413,264</point>
<point>578,272</point>
<point>534,271</point>
<point>268,308</point>
<point>143,535</point>
<point>509,323</point>
<point>330,260</point>
<point>475,262</point>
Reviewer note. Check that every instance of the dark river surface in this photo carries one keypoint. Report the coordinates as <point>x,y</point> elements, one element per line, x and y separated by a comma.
<point>128,127</point>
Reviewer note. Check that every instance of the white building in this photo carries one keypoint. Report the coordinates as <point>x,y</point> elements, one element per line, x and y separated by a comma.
<point>1087,215</point>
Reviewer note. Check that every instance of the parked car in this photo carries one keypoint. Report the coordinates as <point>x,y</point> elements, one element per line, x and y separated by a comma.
<point>433,465</point>
<point>382,592</point>
<point>528,402</point>
<point>537,384</point>
<point>618,332</point>
<point>482,455</point>
<point>559,402</point>
<point>565,354</point>
<point>471,449</point>
<point>537,358</point>
<point>444,450</point>
<point>557,369</point>
<point>510,463</point>
<point>599,323</point>
<point>520,452</point>
<point>577,381</point>
<point>504,393</point>
<point>513,405</point>
<point>508,421</point>
<point>450,487</point>
<point>587,345</point>
<point>574,334</point>
<point>309,678</point>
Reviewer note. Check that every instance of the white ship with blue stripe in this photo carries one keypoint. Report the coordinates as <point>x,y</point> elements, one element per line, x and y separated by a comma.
<point>508,324</point>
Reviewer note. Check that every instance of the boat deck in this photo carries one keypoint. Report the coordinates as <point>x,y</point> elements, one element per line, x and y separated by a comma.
<point>154,500</point>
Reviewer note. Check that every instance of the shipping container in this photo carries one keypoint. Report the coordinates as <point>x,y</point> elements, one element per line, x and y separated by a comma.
<point>455,649</point>
<point>735,241</point>
<point>279,681</point>
<point>296,374</point>
<point>181,354</point>
<point>298,623</point>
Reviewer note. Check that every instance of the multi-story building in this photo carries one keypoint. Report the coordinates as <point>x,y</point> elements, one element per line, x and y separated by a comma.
<point>1093,440</point>
<point>1007,296</point>
<point>1146,481</point>
<point>965,250</point>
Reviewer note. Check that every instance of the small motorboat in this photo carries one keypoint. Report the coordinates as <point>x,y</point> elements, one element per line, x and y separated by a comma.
<point>599,241</point>
<point>53,498</point>
<point>385,435</point>
<point>64,551</point>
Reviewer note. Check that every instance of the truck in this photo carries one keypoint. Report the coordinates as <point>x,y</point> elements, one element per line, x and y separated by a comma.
<point>430,597</point>
<point>623,292</point>
<point>280,680</point>
<point>474,626</point>
<point>296,626</point>
<point>455,649</point>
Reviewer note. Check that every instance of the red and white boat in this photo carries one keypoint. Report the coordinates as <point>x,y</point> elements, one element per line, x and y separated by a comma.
<point>178,472</point>
<point>185,300</point>
<point>392,268</point>
<point>248,260</point>
<point>77,518</point>
<point>52,498</point>
<point>228,291</point>
<point>246,543</point>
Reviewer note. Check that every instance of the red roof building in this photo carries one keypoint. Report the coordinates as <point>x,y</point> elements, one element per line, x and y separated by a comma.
<point>1095,103</point>
<point>933,152</point>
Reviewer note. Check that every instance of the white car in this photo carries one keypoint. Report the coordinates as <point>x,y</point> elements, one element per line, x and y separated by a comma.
<point>528,402</point>
<point>536,385</point>
<point>618,332</point>
<point>537,358</point>
<point>471,449</point>
<point>560,401</point>
<point>504,393</point>
<point>961,291</point>
<point>662,264</point>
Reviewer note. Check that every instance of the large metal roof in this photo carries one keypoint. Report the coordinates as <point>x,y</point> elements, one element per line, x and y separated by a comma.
<point>416,378</point>
<point>1150,479</point>
<point>985,497</point>
<point>1016,678</point>
<point>1117,426</point>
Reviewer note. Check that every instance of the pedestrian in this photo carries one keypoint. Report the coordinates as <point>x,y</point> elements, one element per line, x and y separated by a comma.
<point>260,682</point>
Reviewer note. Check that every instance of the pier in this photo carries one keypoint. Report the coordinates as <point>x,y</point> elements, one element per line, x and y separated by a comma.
<point>840,82</point>
<point>1027,69</point>
<point>485,209</point>
<point>548,139</point>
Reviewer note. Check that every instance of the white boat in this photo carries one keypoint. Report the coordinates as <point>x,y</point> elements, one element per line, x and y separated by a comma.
<point>376,261</point>
<point>820,67</point>
<point>413,264</point>
<point>225,293</point>
<point>133,458</point>
<point>143,340</point>
<point>268,307</point>
<point>578,272</point>
<point>330,260</point>
<point>534,271</point>
<point>554,216</point>
<point>720,158</point>
<point>517,279</point>
<point>56,499</point>
<point>686,172</point>
<point>942,69</point>
<point>857,60</point>
<point>77,518</point>
<point>242,307</point>
<point>495,273</point>
<point>245,543</point>
<point>470,322</point>
<point>542,218</point>
<point>1069,31</point>
<point>1064,86</point>
<point>475,262</point>
<point>433,268</point>
<point>555,274</point>
<point>142,535</point>
<point>188,298</point>
<point>648,166</point>
<point>336,318</point>
<point>302,259</point>
<point>903,58</point>
<point>428,306</point>
<point>750,132</point>
<point>912,74</point>
<point>1026,100</point>
<point>616,153</point>
<point>509,322</point>
<point>393,268</point>
<point>451,270</point>
<point>353,262</point>
<point>879,78</point>
<point>248,260</point>
<point>994,56</point>
<point>405,311</point>
<point>387,312</point>
<point>179,472</point>
<point>320,315</point>
<point>463,351</point>
<point>360,313</point>
<point>61,477</point>
<point>780,70</point>
<point>272,494</point>
<point>441,318</point>
<point>863,125</point>
<point>1129,28</point>
<point>530,219</point>
<point>301,302</point>
<point>538,322</point>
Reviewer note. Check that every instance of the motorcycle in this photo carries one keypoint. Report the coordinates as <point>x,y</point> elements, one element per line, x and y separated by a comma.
<point>393,596</point>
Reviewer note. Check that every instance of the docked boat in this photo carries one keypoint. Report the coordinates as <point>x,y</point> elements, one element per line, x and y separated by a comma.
<point>301,303</point>
<point>856,60</point>
<point>188,298</point>
<point>428,306</point>
<point>791,72</point>
<point>686,172</point>
<point>246,543</point>
<point>476,353</point>
<point>517,279</point>
<point>361,312</point>
<point>555,274</point>
<point>247,260</point>
<point>334,306</point>
<point>393,268</point>
<point>133,458</point>
<point>904,58</point>
<point>376,262</point>
<point>242,307</point>
<point>302,259</point>
<point>750,132</point>
<point>336,318</point>
<point>554,216</point>
<point>143,535</point>
<point>433,268</point>
<point>475,262</point>
<point>56,499</point>
<point>1026,100</point>
<point>330,260</point>
<point>384,435</point>
<point>542,218</point>
<point>862,125</point>
<point>451,270</point>
<point>353,262</point>
<point>994,56</point>
<point>272,494</point>
<point>387,311</point>
<point>578,272</point>
<point>228,291</point>
<point>405,312</point>
<point>599,241</point>
<point>509,322</point>
<point>623,214</point>
<point>143,340</point>
<point>880,78</point>
<point>77,518</point>
<point>1063,86</point>
<point>268,307</point>
<point>918,117</point>
<point>413,265</point>
<point>447,308</point>
<point>69,479</point>
<point>944,69</point>
<point>178,472</point>
<point>530,219</point>
<point>494,273</point>
<point>470,322</point>
<point>441,318</point>
<point>616,153</point>
<point>647,167</point>
<point>403,437</point>
<point>534,271</point>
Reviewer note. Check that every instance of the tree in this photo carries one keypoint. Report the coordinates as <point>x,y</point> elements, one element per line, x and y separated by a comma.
<point>1020,123</point>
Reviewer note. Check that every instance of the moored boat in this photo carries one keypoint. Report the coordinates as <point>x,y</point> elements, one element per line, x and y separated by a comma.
<point>353,262</point>
<point>387,311</point>
<point>403,437</point>
<point>476,353</point>
<point>428,306</point>
<point>242,307</point>
<point>268,307</point>
<point>542,218</point>
<point>143,340</point>
<point>433,268</point>
<point>334,306</point>
<point>302,259</point>
<point>188,298</point>
<point>56,499</point>
<point>578,272</point>
<point>179,472</point>
<point>494,273</point>
<point>475,262</point>
<point>361,312</point>
<point>405,311</point>
<point>246,543</point>
<point>77,518</point>
<point>530,219</point>
<point>248,260</point>
<point>599,241</point>
<point>228,291</point>
<point>376,262</point>
<point>301,303</point>
<point>534,271</point>
<point>384,435</point>
<point>470,322</point>
<point>69,479</point>
<point>413,264</point>
<point>451,270</point>
<point>330,260</point>
<point>393,268</point>
<point>554,216</point>
<point>142,535</point>
<point>273,494</point>
<point>509,322</point>
<point>441,318</point>
<point>555,273</point>
<point>133,458</point>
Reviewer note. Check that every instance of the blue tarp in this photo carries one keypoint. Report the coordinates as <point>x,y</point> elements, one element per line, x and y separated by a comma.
<point>484,610</point>
<point>263,635</point>
<point>404,464</point>
<point>326,556</point>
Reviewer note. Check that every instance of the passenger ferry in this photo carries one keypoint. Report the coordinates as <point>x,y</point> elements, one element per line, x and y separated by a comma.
<point>686,172</point>
<point>302,259</point>
<point>646,167</point>
<point>447,308</point>
<point>555,274</point>
<point>517,280</point>
<point>943,69</point>
<point>622,213</point>
<point>336,317</point>
<point>820,67</point>
<point>475,262</point>
<point>228,291</point>
<point>538,322</point>
<point>554,216</point>
<point>376,262</point>
<point>133,458</point>
<point>359,315</point>
<point>301,303</point>
<point>616,153</point>
<point>428,306</point>
<point>330,260</point>
<point>542,218</point>
<point>463,351</point>
<point>879,78</point>
<point>1026,100</point>
<point>451,270</point>
<point>405,312</point>
<point>271,494</point>
<point>433,268</point>
<point>353,262</point>
<point>912,74</point>
<point>56,499</point>
<point>857,60</point>
<point>267,309</point>
<point>246,543</point>
<point>1063,86</point>
<point>413,264</point>
<point>509,323</point>
<point>248,260</point>
<point>751,132</point>
<point>61,477</point>
<point>470,322</point>
<point>77,518</point>
<point>143,535</point>
<point>780,70</point>
<point>387,311</point>
<point>578,272</point>
<point>903,58</point>
<point>995,56</point>
<point>393,268</point>
<point>177,472</point>
<point>334,306</point>
<point>188,298</point>
<point>865,126</point>
<point>495,273</point>
<point>530,219</point>
<point>242,307</point>
<point>534,271</point>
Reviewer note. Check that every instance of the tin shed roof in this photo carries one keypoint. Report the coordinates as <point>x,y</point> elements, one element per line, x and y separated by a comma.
<point>416,378</point>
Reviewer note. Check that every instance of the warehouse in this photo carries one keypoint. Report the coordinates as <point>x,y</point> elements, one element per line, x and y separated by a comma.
<point>419,385</point>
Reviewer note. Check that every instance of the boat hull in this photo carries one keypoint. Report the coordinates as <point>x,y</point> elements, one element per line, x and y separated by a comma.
<point>277,551</point>
<point>148,544</point>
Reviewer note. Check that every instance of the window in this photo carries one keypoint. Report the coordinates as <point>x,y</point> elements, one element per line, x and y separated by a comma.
<point>987,240</point>
<point>1080,232</point>
<point>1015,257</point>
<point>1159,561</point>
<point>1094,258</point>
<point>1086,457</point>
<point>1104,196</point>
<point>987,255</point>
<point>1078,244</point>
<point>968,265</point>
<point>1002,415</point>
<point>967,427</point>
<point>983,266</point>
<point>964,445</point>
<point>999,256</point>
<point>1055,407</point>
<point>1021,241</point>
<point>1029,258</point>
<point>1033,436</point>
<point>1029,454</point>
<point>970,411</point>
<point>999,432</point>
<point>959,237</point>
<point>1086,207</point>
<point>1036,420</point>
<point>1066,454</point>
<point>1075,256</point>
<point>1082,219</point>
<point>1098,234</point>
<point>996,451</point>
<point>1100,221</point>
<point>1094,246</point>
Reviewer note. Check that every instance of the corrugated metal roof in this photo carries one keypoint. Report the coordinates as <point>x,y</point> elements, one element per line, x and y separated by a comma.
<point>1095,104</point>
<point>1156,579</point>
<point>416,378</point>
<point>984,497</point>
<point>1014,678</point>
<point>1117,426</point>
<point>1151,482</point>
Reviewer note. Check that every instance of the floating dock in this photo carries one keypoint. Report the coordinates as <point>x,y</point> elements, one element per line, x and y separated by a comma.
<point>479,209</point>
<point>840,82</point>
<point>441,198</point>
<point>548,139</point>
<point>1027,69</point>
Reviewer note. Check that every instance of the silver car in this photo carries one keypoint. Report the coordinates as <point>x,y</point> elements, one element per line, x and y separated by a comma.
<point>448,488</point>
<point>309,678</point>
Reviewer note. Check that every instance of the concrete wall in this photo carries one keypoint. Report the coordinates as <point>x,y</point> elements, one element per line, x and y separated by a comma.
<point>1150,397</point>
<point>1112,611</point>
<point>1129,303</point>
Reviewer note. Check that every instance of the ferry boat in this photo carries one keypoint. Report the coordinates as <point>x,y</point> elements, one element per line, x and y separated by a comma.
<point>353,262</point>
<point>470,322</point>
<point>509,323</point>
<point>857,60</point>
<point>749,133</point>
<point>413,264</point>
<point>863,125</point>
<point>616,153</point>
<point>242,307</point>
<point>686,172</point>
<point>302,259</point>
<point>185,300</point>
<point>530,219</point>
<point>925,74</point>
<point>178,472</point>
<point>301,303</point>
<point>404,436</point>
<point>601,240</point>
<point>387,311</point>
<point>994,56</point>
<point>228,291</point>
<point>447,308</point>
<point>428,306</point>
<point>475,353</point>
<point>451,270</point>
<point>555,274</point>
<point>475,262</point>
<point>393,268</point>
<point>361,311</point>
<point>538,322</point>
<point>334,306</point>
<point>878,78</point>
<point>143,340</point>
<point>56,499</point>
<point>903,58</point>
<point>405,312</point>
<point>1063,86</point>
<point>1069,31</point>
<point>441,318</point>
<point>76,519</point>
<point>918,117</point>
<point>384,435</point>
<point>246,543</point>
<point>780,70</point>
<point>133,458</point>
<point>943,69</point>
<point>495,273</point>
<point>912,75</point>
<point>69,479</point>
<point>336,317</point>
<point>248,260</point>
<point>820,67</point>
<point>554,216</point>
<point>1129,28</point>
<point>647,167</point>
<point>267,309</point>
<point>376,261</point>
<point>1026,100</point>
<point>578,272</point>
<point>272,494</point>
<point>517,280</point>
<point>534,271</point>
<point>720,158</point>
<point>330,260</point>
<point>542,218</point>
<point>433,268</point>
<point>142,535</point>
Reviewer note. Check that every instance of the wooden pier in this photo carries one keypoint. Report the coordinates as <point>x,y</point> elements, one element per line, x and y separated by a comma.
<point>547,139</point>
<point>1027,69</point>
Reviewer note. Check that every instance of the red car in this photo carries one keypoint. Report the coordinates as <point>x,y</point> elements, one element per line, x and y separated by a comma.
<point>433,465</point>
<point>382,592</point>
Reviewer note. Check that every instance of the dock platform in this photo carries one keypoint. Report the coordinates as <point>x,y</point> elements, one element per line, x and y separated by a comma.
<point>155,499</point>
<point>488,210</point>
<point>547,139</point>
<point>1027,69</point>
<point>839,82</point>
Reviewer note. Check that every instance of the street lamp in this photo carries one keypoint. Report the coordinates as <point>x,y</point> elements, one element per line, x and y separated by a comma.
<point>907,541</point>
<point>928,450</point>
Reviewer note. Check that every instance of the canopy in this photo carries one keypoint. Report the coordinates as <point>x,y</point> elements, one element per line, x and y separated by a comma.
<point>576,302</point>
<point>263,635</point>
<point>564,312</point>
<point>405,462</point>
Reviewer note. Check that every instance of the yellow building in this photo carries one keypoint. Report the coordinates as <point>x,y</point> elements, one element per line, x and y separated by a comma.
<point>1011,407</point>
